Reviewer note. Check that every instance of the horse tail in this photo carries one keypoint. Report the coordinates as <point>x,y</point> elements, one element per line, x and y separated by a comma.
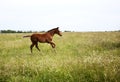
<point>26,36</point>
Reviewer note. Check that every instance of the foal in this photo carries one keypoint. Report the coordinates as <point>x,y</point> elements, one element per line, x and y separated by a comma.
<point>43,38</point>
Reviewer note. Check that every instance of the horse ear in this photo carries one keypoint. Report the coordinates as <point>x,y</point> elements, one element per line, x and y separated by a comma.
<point>57,27</point>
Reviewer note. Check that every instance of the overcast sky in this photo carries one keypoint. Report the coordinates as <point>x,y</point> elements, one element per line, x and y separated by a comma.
<point>74,15</point>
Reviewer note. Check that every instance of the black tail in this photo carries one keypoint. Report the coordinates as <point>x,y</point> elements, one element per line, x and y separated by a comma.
<point>27,36</point>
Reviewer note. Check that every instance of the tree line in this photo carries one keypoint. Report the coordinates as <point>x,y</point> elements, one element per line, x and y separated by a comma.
<point>13,31</point>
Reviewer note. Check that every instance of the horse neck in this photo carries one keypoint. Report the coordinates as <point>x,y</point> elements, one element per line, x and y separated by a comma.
<point>52,33</point>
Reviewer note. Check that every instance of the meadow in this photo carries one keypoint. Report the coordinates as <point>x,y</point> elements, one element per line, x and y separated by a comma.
<point>79,57</point>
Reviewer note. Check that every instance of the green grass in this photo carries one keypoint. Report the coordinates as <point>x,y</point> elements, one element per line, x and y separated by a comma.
<point>79,57</point>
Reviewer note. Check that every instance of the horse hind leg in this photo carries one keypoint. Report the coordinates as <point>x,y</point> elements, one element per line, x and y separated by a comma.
<point>36,45</point>
<point>32,45</point>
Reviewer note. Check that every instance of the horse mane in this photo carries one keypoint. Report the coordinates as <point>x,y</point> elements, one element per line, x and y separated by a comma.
<point>51,30</point>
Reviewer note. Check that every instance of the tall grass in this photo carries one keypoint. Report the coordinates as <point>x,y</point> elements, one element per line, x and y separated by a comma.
<point>79,57</point>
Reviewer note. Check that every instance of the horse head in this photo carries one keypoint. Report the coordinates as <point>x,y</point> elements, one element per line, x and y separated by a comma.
<point>57,31</point>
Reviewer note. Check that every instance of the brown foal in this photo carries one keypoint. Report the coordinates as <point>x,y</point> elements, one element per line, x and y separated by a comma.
<point>43,38</point>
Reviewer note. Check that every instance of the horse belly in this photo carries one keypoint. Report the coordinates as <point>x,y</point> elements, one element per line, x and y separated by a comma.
<point>42,40</point>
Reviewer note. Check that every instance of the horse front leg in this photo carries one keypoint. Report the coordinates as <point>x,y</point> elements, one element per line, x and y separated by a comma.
<point>52,44</point>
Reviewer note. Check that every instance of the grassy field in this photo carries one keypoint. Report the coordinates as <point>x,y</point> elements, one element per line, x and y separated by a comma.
<point>79,57</point>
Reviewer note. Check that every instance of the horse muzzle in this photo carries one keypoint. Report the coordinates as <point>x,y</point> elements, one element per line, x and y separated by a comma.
<point>60,34</point>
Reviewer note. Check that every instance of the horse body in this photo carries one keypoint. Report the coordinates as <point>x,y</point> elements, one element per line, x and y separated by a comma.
<point>40,38</point>
<point>44,38</point>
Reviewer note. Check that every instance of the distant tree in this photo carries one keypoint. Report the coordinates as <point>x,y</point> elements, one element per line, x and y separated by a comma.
<point>19,32</point>
<point>41,31</point>
<point>67,31</point>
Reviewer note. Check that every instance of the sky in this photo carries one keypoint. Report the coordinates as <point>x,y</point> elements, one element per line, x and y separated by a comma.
<point>70,15</point>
